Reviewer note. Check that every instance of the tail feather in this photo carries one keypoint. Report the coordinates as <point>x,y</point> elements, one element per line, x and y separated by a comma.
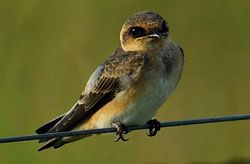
<point>47,126</point>
<point>58,142</point>
<point>44,129</point>
<point>54,142</point>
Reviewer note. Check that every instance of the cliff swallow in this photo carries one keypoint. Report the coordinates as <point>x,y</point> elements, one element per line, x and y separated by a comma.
<point>129,87</point>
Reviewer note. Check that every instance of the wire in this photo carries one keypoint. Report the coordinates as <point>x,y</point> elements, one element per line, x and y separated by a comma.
<point>130,128</point>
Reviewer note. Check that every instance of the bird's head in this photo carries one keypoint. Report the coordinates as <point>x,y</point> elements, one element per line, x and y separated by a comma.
<point>144,31</point>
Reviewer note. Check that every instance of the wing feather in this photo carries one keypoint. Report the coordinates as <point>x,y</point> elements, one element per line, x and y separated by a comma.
<point>102,87</point>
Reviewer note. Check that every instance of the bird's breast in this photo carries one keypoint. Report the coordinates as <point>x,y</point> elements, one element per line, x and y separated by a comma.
<point>145,97</point>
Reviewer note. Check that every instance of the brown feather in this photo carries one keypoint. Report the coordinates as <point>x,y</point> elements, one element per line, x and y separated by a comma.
<point>120,64</point>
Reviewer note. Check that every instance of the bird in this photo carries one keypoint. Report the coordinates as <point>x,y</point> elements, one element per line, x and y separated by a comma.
<point>129,87</point>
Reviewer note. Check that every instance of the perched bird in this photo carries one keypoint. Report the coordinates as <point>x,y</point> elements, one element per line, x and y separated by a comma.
<point>129,87</point>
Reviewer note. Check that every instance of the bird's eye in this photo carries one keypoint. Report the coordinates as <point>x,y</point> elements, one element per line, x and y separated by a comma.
<point>137,31</point>
<point>164,27</point>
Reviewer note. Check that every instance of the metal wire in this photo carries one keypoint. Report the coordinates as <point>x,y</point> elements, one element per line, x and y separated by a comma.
<point>130,128</point>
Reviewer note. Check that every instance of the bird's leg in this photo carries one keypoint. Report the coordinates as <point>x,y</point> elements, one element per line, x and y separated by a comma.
<point>120,130</point>
<point>154,127</point>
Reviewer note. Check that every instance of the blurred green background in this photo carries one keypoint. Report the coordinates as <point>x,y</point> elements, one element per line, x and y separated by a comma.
<point>48,50</point>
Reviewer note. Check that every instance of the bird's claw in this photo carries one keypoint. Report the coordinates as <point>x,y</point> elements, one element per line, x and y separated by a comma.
<point>154,127</point>
<point>120,130</point>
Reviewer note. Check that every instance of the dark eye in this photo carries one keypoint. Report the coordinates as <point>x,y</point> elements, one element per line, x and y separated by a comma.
<point>164,27</point>
<point>137,31</point>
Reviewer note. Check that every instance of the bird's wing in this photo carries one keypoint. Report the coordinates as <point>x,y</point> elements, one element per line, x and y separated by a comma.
<point>110,78</point>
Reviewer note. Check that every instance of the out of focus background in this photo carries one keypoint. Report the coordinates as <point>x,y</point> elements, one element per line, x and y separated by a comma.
<point>48,50</point>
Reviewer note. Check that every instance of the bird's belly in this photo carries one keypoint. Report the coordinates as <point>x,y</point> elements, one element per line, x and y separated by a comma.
<point>145,105</point>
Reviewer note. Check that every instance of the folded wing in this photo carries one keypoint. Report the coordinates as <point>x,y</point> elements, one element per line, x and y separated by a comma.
<point>109,79</point>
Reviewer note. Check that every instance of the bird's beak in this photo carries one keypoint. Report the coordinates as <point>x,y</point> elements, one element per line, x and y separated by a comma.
<point>154,35</point>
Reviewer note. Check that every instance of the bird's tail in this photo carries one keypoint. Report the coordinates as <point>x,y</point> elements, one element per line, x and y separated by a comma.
<point>50,142</point>
<point>58,142</point>
<point>54,142</point>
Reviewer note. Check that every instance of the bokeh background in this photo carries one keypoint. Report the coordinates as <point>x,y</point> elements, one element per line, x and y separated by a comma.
<point>48,50</point>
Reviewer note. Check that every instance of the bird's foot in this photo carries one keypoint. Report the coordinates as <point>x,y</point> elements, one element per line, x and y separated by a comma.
<point>154,127</point>
<point>120,130</point>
